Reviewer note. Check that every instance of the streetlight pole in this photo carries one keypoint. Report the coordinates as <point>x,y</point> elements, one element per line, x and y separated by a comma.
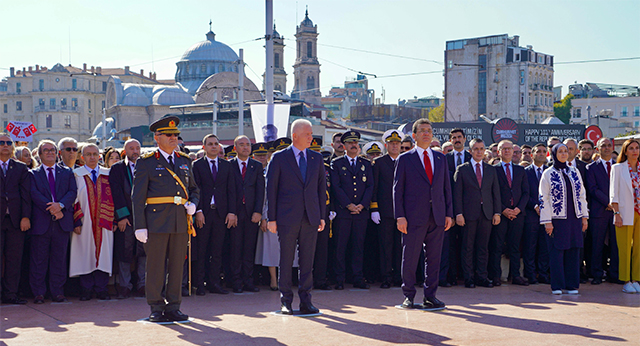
<point>215,113</point>
<point>241,93</point>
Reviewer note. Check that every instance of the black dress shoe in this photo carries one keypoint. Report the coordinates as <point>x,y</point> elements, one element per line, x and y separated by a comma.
<point>14,300</point>
<point>84,296</point>
<point>543,280</point>
<point>274,288</point>
<point>453,282</point>
<point>496,282</point>
<point>59,299</point>
<point>361,284</point>
<point>201,291</point>
<point>484,283</point>
<point>123,293</point>
<point>519,280</point>
<point>308,308</point>
<point>185,291</point>
<point>385,284</point>
<point>596,281</point>
<point>469,284</point>
<point>433,303</point>
<point>444,284</point>
<point>218,289</point>
<point>38,300</point>
<point>615,281</point>
<point>175,315</point>
<point>407,303</point>
<point>339,286</point>
<point>103,295</point>
<point>157,316</point>
<point>237,290</point>
<point>285,309</point>
<point>250,288</point>
<point>532,281</point>
<point>323,287</point>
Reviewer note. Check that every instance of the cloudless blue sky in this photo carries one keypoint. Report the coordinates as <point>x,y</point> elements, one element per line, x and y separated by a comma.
<point>117,33</point>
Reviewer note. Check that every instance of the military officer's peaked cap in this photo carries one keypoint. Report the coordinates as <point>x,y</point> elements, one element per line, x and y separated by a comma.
<point>316,144</point>
<point>229,152</point>
<point>166,125</point>
<point>392,136</point>
<point>372,148</point>
<point>260,148</point>
<point>282,143</point>
<point>350,136</point>
<point>271,146</point>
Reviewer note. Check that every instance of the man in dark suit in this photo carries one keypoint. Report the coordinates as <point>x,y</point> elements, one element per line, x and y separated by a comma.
<point>452,245</point>
<point>15,211</point>
<point>601,214</point>
<point>164,197</point>
<point>216,213</point>
<point>352,185</point>
<point>424,211</point>
<point>477,207</point>
<point>296,203</point>
<point>338,147</point>
<point>514,194</point>
<point>390,238</point>
<point>126,249</point>
<point>53,192</point>
<point>535,254</point>
<point>249,183</point>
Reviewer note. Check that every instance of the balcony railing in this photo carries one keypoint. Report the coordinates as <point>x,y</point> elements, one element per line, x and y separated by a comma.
<point>58,108</point>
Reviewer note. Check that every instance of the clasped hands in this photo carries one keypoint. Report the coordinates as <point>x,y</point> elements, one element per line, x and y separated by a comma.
<point>511,213</point>
<point>355,209</point>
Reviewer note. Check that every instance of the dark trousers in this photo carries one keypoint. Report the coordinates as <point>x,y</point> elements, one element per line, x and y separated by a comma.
<point>96,280</point>
<point>565,267</point>
<point>475,248</point>
<point>599,228</point>
<point>209,240</point>
<point>426,239</point>
<point>160,248</point>
<point>243,250</point>
<point>321,256</point>
<point>49,251</point>
<point>390,240</point>
<point>11,247</point>
<point>302,236</point>
<point>511,232</point>
<point>535,252</point>
<point>354,230</point>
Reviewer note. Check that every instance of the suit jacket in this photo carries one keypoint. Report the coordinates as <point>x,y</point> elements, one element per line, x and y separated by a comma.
<point>621,192</point>
<point>598,184</point>
<point>468,194</point>
<point>383,171</point>
<point>16,187</point>
<point>152,179</point>
<point>252,187</point>
<point>223,189</point>
<point>582,168</point>
<point>121,181</point>
<point>534,196</point>
<point>66,190</point>
<point>352,185</point>
<point>519,190</point>
<point>413,195</point>
<point>451,157</point>
<point>289,197</point>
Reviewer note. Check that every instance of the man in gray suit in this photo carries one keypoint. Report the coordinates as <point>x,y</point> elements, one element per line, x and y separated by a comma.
<point>296,203</point>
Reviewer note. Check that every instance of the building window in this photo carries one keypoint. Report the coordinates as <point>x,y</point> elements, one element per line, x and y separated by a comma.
<point>535,100</point>
<point>89,104</point>
<point>623,112</point>
<point>521,77</point>
<point>309,49</point>
<point>6,110</point>
<point>517,57</point>
<point>63,103</point>
<point>635,124</point>
<point>74,104</point>
<point>52,103</point>
<point>521,99</point>
<point>636,111</point>
<point>104,86</point>
<point>103,105</point>
<point>74,84</point>
<point>278,87</point>
<point>18,105</point>
<point>41,85</point>
<point>89,123</point>
<point>530,99</point>
<point>49,121</point>
<point>577,113</point>
<point>89,85</point>
<point>41,104</point>
<point>276,60</point>
<point>67,121</point>
<point>311,83</point>
<point>18,88</point>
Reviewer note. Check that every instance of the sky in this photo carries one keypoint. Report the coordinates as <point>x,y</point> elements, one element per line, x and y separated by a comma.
<point>354,35</point>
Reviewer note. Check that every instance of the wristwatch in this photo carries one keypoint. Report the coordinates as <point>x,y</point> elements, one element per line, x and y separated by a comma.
<point>616,213</point>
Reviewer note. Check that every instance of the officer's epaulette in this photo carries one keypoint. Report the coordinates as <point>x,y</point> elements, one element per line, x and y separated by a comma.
<point>327,165</point>
<point>148,154</point>
<point>183,154</point>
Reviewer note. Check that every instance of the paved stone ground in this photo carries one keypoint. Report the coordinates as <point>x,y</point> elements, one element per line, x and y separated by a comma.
<point>507,315</point>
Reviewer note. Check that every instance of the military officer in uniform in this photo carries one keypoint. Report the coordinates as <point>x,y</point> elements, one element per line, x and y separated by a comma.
<point>372,150</point>
<point>321,259</point>
<point>352,186</point>
<point>164,197</point>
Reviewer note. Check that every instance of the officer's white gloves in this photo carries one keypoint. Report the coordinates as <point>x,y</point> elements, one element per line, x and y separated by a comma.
<point>141,235</point>
<point>375,217</point>
<point>191,208</point>
<point>332,215</point>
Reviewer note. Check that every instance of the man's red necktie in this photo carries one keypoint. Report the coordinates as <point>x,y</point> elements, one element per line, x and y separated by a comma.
<point>427,167</point>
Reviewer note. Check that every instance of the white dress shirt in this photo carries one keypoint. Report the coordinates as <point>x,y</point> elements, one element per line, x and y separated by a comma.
<point>421,152</point>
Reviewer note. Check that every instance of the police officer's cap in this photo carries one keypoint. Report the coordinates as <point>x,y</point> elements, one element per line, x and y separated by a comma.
<point>229,152</point>
<point>316,144</point>
<point>166,125</point>
<point>373,148</point>
<point>392,135</point>
<point>350,136</point>
<point>259,148</point>
<point>282,143</point>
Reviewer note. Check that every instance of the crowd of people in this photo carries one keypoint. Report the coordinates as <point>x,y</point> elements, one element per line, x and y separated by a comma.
<point>405,210</point>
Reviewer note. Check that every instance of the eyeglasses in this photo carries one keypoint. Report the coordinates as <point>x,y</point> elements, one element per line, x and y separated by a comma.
<point>7,143</point>
<point>170,134</point>
<point>70,149</point>
<point>49,151</point>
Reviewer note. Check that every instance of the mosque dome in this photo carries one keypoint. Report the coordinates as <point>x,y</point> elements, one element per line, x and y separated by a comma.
<point>171,95</point>
<point>202,60</point>
<point>306,22</point>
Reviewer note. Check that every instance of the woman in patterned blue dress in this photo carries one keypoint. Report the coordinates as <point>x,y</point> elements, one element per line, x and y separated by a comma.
<point>564,213</point>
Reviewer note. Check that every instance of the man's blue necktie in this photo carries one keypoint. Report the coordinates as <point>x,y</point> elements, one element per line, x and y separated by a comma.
<point>303,166</point>
<point>94,176</point>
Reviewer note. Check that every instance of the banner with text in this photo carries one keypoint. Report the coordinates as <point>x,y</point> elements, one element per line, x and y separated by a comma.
<point>21,131</point>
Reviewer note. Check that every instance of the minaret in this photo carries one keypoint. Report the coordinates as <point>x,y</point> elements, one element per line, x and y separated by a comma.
<point>306,70</point>
<point>279,74</point>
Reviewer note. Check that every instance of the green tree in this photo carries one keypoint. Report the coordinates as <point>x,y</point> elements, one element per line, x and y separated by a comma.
<point>436,115</point>
<point>562,110</point>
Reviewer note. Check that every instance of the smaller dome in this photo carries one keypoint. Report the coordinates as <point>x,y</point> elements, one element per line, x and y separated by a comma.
<point>552,121</point>
<point>275,33</point>
<point>172,95</point>
<point>134,96</point>
<point>307,21</point>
